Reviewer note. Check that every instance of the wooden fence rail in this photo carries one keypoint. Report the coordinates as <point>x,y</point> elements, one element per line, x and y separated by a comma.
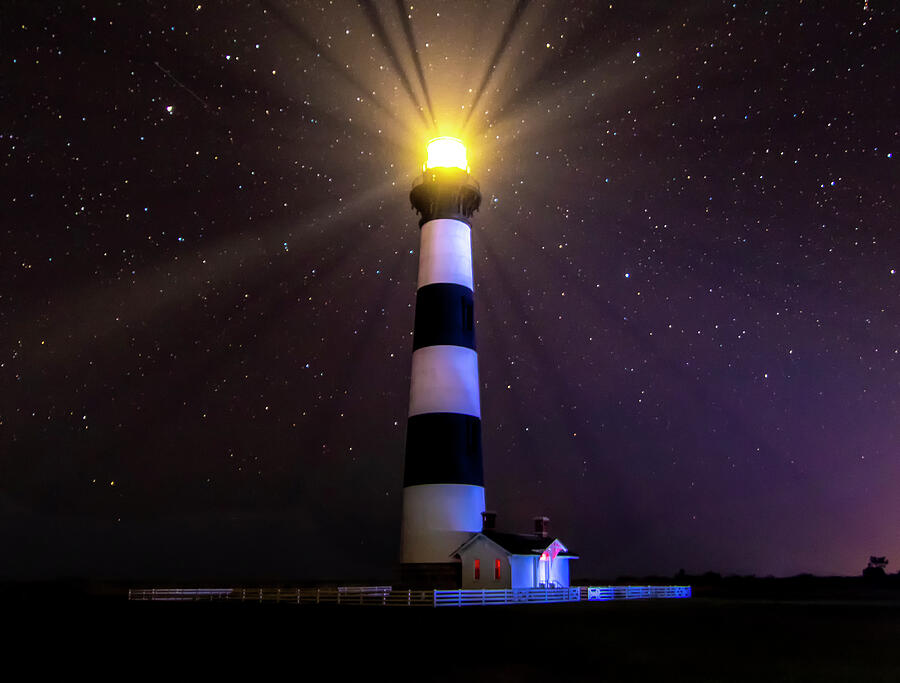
<point>385,595</point>
<point>634,592</point>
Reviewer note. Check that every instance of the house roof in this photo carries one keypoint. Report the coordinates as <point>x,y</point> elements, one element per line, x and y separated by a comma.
<point>518,544</point>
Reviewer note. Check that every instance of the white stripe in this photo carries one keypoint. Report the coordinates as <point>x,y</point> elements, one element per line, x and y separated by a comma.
<point>445,253</point>
<point>437,519</point>
<point>444,380</point>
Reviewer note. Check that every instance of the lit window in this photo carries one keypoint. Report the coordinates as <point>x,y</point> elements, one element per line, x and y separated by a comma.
<point>497,569</point>
<point>477,569</point>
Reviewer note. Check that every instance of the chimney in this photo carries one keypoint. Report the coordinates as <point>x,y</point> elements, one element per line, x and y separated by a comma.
<point>542,526</point>
<point>488,520</point>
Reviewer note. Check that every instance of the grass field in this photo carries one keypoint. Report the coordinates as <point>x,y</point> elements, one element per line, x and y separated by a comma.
<point>700,639</point>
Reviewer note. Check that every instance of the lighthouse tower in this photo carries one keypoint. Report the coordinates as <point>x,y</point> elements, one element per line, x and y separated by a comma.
<point>443,483</point>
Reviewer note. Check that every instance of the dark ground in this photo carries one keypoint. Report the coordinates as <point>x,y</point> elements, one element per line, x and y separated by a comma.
<point>702,639</point>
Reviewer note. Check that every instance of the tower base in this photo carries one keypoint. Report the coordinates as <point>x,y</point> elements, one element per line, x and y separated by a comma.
<point>431,575</point>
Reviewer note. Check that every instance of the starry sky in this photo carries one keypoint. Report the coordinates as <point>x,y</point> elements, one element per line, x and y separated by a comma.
<point>686,280</point>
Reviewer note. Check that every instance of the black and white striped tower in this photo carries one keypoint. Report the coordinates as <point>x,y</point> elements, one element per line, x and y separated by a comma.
<point>443,484</point>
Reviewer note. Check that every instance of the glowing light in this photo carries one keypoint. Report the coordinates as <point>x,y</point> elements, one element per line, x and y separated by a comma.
<point>446,152</point>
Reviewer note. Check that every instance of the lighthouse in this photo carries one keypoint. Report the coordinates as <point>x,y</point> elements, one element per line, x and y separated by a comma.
<point>443,482</point>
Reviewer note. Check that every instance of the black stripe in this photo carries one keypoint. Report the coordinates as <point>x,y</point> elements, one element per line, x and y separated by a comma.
<point>443,448</point>
<point>444,315</point>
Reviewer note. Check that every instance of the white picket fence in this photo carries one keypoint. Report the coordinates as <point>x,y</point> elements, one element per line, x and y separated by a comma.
<point>385,595</point>
<point>505,597</point>
<point>634,592</point>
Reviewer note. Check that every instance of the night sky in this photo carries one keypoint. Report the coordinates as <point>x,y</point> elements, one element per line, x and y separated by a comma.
<point>686,266</point>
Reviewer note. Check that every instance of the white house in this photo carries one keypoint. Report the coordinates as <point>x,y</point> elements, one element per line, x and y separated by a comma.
<point>493,559</point>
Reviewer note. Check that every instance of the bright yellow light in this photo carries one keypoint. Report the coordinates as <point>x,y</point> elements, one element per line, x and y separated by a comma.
<point>446,152</point>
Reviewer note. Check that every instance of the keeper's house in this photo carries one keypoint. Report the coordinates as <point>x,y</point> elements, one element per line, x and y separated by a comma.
<point>494,559</point>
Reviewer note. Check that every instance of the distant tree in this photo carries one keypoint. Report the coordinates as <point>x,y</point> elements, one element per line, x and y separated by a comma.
<point>875,568</point>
